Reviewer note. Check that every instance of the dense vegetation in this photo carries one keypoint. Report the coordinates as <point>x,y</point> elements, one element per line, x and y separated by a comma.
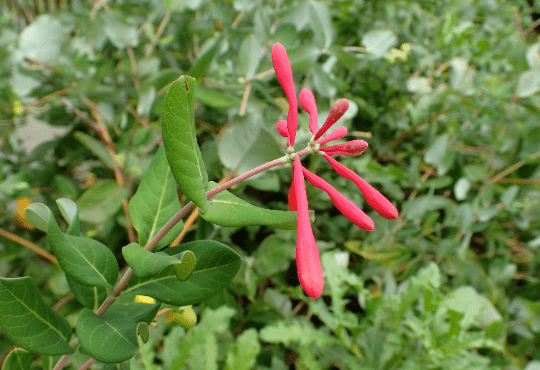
<point>445,93</point>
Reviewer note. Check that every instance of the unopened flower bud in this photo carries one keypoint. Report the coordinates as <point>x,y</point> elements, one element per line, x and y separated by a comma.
<point>350,148</point>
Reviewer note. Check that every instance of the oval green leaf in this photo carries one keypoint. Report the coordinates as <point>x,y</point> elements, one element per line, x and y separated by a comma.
<point>146,264</point>
<point>155,202</point>
<point>217,264</point>
<point>180,141</point>
<point>70,212</point>
<point>109,341</point>
<point>38,215</point>
<point>112,338</point>
<point>89,296</point>
<point>86,260</point>
<point>226,209</point>
<point>29,322</point>
<point>101,201</point>
<point>18,359</point>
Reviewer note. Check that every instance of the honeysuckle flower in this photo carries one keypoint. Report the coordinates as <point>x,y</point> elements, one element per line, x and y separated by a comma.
<point>307,255</point>
<point>283,70</point>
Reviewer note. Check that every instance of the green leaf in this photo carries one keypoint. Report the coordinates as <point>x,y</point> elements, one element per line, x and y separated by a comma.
<point>86,260</point>
<point>200,68</point>
<point>245,351</point>
<point>321,23</point>
<point>107,340</point>
<point>96,147</point>
<point>218,99</point>
<point>18,359</point>
<point>155,202</point>
<point>226,209</point>
<point>38,215</point>
<point>70,212</point>
<point>180,141</point>
<point>89,296</point>
<point>138,312</point>
<point>528,83</point>
<point>29,322</point>
<point>42,40</point>
<point>146,264</point>
<point>246,145</point>
<point>249,56</point>
<point>119,30</point>
<point>101,201</point>
<point>378,42</point>
<point>217,264</point>
<point>274,255</point>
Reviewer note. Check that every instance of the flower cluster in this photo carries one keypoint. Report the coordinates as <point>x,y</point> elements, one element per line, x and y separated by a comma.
<point>307,255</point>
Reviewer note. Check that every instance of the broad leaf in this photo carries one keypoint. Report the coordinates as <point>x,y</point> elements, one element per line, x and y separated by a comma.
<point>138,312</point>
<point>528,83</point>
<point>110,340</point>
<point>18,359</point>
<point>226,209</point>
<point>85,260</point>
<point>146,264</point>
<point>240,144</point>
<point>200,68</point>
<point>70,212</point>
<point>245,351</point>
<point>101,201</point>
<point>180,141</point>
<point>96,147</point>
<point>155,202</point>
<point>38,215</point>
<point>249,56</point>
<point>89,296</point>
<point>217,264</point>
<point>29,322</point>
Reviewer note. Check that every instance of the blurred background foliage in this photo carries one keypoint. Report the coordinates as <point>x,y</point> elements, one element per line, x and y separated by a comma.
<point>446,94</point>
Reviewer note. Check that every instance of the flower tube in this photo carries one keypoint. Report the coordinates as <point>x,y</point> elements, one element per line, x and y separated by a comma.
<point>308,261</point>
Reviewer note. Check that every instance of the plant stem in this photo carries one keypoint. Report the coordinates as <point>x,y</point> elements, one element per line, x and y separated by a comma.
<point>168,226</point>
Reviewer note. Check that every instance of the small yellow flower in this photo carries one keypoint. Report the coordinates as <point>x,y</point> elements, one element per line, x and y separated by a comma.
<point>17,108</point>
<point>144,299</point>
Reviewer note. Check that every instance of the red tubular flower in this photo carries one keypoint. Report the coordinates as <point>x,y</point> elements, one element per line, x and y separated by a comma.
<point>307,255</point>
<point>281,127</point>
<point>373,197</point>
<point>337,134</point>
<point>308,261</point>
<point>345,206</point>
<point>292,197</point>
<point>283,70</point>
<point>307,101</point>
<point>335,114</point>
<point>350,148</point>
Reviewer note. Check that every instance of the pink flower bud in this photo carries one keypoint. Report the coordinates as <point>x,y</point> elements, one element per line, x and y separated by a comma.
<point>337,134</point>
<point>350,148</point>
<point>335,113</point>
<point>308,261</point>
<point>348,208</point>
<point>283,70</point>
<point>307,101</point>
<point>372,195</point>
<point>281,127</point>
